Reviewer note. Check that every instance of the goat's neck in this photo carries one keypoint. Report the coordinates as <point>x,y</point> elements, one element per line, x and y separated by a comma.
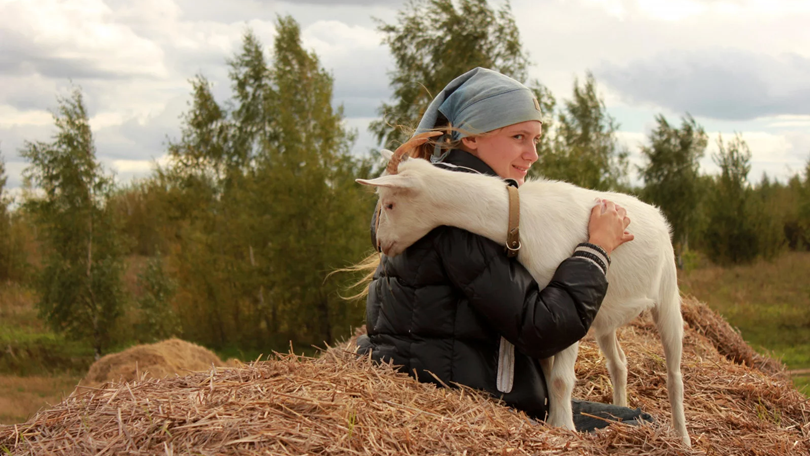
<point>477,205</point>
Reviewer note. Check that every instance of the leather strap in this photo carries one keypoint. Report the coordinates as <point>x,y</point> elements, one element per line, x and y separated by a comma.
<point>513,235</point>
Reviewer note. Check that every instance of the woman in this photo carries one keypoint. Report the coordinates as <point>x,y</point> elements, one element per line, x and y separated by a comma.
<point>430,310</point>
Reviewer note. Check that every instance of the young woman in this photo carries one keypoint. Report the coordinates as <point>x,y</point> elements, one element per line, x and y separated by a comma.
<point>445,307</point>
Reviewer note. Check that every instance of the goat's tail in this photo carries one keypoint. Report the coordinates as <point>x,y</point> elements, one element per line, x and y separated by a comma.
<point>668,319</point>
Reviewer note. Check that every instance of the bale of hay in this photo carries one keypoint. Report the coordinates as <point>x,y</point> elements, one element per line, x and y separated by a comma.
<point>342,404</point>
<point>161,359</point>
<point>728,341</point>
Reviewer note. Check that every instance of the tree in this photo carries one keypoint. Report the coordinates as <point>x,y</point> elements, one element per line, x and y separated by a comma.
<point>266,203</point>
<point>5,225</point>
<point>803,210</point>
<point>739,227</point>
<point>584,150</point>
<point>671,174</point>
<point>157,318</point>
<point>80,285</point>
<point>316,215</point>
<point>432,43</point>
<point>15,236</point>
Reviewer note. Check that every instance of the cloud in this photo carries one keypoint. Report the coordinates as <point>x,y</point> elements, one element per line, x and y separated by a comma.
<point>64,40</point>
<point>357,61</point>
<point>716,83</point>
<point>133,61</point>
<point>778,155</point>
<point>351,2</point>
<point>141,139</point>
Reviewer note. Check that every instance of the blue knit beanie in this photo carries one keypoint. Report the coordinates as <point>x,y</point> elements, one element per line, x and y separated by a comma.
<point>479,101</point>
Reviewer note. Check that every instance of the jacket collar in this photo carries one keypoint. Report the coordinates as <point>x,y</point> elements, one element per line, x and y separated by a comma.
<point>462,161</point>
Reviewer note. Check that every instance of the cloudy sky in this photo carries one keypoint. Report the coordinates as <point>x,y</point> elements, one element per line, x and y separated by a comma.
<point>736,65</point>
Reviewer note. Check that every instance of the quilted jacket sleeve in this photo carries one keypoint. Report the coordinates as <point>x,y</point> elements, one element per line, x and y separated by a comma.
<point>540,323</point>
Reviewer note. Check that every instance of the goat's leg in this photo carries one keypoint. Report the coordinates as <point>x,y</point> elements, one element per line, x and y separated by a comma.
<point>547,364</point>
<point>561,387</point>
<point>668,319</point>
<point>616,365</point>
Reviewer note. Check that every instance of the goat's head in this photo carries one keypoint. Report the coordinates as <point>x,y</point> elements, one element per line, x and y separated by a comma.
<point>406,204</point>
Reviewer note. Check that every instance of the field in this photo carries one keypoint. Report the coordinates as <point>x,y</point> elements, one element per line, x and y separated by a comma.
<point>768,302</point>
<point>37,367</point>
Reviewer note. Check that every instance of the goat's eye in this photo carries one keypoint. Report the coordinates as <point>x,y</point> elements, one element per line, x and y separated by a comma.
<point>389,206</point>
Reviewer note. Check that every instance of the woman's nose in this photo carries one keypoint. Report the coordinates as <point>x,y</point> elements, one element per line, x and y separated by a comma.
<point>530,153</point>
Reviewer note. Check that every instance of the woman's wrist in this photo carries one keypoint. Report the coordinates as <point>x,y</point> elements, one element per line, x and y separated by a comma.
<point>601,245</point>
<point>593,253</point>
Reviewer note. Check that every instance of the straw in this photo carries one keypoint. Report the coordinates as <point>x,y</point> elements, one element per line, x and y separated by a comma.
<point>339,403</point>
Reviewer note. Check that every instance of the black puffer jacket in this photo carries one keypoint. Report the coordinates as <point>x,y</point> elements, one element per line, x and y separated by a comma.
<point>442,306</point>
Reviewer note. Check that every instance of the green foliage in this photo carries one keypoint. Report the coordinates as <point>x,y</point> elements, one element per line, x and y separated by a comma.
<point>769,301</point>
<point>13,236</point>
<point>671,179</point>
<point>319,214</point>
<point>157,318</point>
<point>264,203</point>
<point>584,150</point>
<point>739,228</point>
<point>802,225</point>
<point>5,226</point>
<point>433,42</point>
<point>142,210</point>
<point>80,285</point>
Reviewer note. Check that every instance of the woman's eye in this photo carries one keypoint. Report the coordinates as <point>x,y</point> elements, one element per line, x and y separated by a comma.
<point>518,137</point>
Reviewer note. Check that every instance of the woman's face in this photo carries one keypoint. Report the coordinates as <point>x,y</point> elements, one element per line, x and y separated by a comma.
<point>509,151</point>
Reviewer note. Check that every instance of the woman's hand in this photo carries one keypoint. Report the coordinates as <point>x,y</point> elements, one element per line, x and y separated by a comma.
<point>608,226</point>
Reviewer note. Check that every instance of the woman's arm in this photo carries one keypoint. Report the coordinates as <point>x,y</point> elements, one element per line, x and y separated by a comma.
<point>540,323</point>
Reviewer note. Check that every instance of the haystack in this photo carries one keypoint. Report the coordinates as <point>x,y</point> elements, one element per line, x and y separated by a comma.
<point>161,359</point>
<point>341,404</point>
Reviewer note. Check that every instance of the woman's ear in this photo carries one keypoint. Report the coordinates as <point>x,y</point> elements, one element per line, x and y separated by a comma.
<point>470,142</point>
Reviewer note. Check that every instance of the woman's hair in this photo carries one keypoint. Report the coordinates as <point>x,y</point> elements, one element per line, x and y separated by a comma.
<point>445,142</point>
<point>367,266</point>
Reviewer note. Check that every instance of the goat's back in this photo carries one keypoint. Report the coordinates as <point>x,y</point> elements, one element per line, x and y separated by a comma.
<point>557,214</point>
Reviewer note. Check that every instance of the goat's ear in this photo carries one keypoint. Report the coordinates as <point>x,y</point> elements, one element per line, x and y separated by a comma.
<point>389,181</point>
<point>386,154</point>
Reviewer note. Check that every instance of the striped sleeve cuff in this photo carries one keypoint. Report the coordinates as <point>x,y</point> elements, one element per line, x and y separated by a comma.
<point>594,254</point>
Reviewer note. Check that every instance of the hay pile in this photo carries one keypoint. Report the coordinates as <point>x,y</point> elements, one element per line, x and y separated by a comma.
<point>338,404</point>
<point>162,359</point>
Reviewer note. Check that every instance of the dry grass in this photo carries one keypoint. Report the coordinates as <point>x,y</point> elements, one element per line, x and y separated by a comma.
<point>168,357</point>
<point>340,404</point>
<point>21,397</point>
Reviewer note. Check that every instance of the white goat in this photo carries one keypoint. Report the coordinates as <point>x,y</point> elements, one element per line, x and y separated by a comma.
<point>554,219</point>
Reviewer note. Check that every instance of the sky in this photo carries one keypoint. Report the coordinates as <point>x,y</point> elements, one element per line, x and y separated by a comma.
<point>737,66</point>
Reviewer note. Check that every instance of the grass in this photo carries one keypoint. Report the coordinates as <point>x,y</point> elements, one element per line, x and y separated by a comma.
<point>769,302</point>
<point>22,396</point>
<point>37,367</point>
<point>27,347</point>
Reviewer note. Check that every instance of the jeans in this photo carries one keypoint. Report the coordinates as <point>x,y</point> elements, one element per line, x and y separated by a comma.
<point>607,413</point>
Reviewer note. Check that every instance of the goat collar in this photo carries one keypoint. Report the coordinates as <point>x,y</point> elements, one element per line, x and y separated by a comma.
<point>513,234</point>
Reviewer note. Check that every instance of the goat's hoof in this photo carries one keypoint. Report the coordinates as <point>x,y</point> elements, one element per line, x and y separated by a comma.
<point>565,423</point>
